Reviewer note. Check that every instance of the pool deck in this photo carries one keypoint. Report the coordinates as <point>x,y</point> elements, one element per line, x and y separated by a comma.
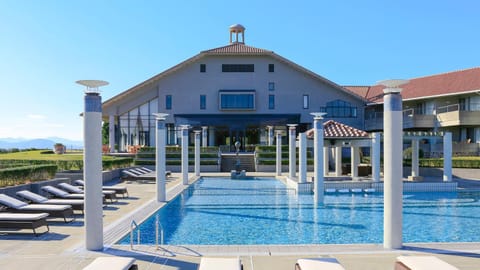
<point>63,246</point>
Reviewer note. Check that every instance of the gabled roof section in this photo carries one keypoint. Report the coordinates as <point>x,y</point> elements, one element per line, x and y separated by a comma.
<point>237,49</point>
<point>444,84</point>
<point>337,130</point>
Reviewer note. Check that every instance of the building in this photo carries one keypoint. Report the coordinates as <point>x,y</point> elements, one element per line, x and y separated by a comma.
<point>234,93</point>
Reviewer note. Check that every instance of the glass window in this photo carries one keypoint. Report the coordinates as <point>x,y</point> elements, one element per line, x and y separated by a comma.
<point>271,86</point>
<point>271,102</point>
<point>237,100</point>
<point>168,102</point>
<point>271,68</point>
<point>203,102</point>
<point>339,109</point>
<point>306,101</point>
<point>238,68</point>
<point>203,68</point>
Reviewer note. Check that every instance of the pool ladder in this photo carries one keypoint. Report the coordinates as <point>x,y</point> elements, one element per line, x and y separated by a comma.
<point>158,230</point>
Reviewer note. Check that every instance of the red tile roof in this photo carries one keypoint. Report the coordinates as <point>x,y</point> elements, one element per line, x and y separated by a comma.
<point>333,129</point>
<point>451,83</point>
<point>236,48</point>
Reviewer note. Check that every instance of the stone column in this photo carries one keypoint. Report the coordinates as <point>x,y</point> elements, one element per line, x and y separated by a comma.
<point>393,149</point>
<point>197,152</point>
<point>415,165</point>
<point>302,158</point>
<point>338,161</point>
<point>355,160</point>
<point>92,160</point>
<point>375,156</point>
<point>204,136</point>
<point>447,157</point>
<point>318,157</point>
<point>160,157</point>
<point>292,149</point>
<point>111,133</point>
<point>326,154</point>
<point>184,129</point>
<point>279,154</point>
<point>270,135</point>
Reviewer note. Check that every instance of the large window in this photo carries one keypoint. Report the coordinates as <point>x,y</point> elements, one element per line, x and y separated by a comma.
<point>203,102</point>
<point>237,99</point>
<point>271,102</point>
<point>238,68</point>
<point>168,102</point>
<point>339,109</point>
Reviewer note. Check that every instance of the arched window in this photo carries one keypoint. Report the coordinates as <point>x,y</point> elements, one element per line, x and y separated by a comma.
<point>339,109</point>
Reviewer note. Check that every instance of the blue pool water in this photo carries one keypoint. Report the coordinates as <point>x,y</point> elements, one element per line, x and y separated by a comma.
<point>260,211</point>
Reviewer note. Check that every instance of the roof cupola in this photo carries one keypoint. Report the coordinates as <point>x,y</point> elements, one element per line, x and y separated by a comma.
<point>237,29</point>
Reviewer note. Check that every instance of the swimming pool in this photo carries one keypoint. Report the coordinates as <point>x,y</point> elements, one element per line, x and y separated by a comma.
<point>259,211</point>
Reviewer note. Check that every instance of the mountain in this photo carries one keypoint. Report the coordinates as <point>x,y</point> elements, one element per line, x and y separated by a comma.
<point>46,143</point>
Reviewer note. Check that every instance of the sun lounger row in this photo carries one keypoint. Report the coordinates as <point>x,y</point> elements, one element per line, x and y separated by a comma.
<point>119,190</point>
<point>347,190</point>
<point>141,174</point>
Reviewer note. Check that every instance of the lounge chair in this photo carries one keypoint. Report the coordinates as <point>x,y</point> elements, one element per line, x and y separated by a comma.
<point>58,193</point>
<point>112,263</point>
<point>121,190</point>
<point>109,194</point>
<point>207,263</point>
<point>14,205</point>
<point>35,198</point>
<point>422,263</point>
<point>132,175</point>
<point>147,169</point>
<point>23,221</point>
<point>318,263</point>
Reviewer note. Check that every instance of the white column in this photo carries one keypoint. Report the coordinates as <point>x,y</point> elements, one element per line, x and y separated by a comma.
<point>92,168</point>
<point>338,161</point>
<point>447,157</point>
<point>160,157</point>
<point>302,158</point>
<point>355,160</point>
<point>204,136</point>
<point>184,129</point>
<point>270,135</point>
<point>279,154</point>
<point>393,180</point>
<point>197,152</point>
<point>375,156</point>
<point>415,166</point>
<point>111,133</point>
<point>292,149</point>
<point>318,157</point>
<point>326,153</point>
<point>211,137</point>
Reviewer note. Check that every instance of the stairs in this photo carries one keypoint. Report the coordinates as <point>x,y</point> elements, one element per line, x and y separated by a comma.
<point>247,162</point>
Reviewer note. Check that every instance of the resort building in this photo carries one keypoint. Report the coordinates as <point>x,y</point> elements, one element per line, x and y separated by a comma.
<point>232,93</point>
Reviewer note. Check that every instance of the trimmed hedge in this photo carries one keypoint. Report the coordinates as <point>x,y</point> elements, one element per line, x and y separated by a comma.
<point>175,162</point>
<point>24,174</point>
<point>66,165</point>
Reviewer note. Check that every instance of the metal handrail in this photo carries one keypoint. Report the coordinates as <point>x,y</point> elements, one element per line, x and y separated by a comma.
<point>133,226</point>
<point>158,226</point>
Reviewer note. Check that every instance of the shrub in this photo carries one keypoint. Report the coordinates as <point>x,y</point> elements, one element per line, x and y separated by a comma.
<point>24,174</point>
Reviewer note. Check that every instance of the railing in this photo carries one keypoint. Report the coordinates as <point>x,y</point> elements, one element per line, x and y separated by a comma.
<point>133,226</point>
<point>448,108</point>
<point>158,230</point>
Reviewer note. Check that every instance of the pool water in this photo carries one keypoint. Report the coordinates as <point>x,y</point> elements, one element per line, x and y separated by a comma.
<point>259,211</point>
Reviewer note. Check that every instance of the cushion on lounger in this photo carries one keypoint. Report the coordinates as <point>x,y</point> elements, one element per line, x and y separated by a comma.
<point>46,207</point>
<point>21,217</point>
<point>220,264</point>
<point>320,263</point>
<point>70,188</point>
<point>424,263</point>
<point>114,263</point>
<point>31,196</point>
<point>11,202</point>
<point>56,191</point>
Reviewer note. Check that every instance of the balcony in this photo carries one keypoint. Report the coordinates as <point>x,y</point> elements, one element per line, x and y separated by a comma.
<point>411,120</point>
<point>459,115</point>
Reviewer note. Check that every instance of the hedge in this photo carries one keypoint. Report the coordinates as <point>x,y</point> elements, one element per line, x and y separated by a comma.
<point>284,162</point>
<point>66,165</point>
<point>25,174</point>
<point>178,149</point>
<point>176,162</point>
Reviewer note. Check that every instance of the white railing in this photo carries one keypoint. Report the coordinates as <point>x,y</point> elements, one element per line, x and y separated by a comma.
<point>448,108</point>
<point>158,231</point>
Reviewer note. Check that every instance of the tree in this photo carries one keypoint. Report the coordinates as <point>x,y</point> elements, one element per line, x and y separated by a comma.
<point>105,132</point>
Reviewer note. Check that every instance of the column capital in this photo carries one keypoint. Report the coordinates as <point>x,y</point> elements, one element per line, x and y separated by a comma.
<point>197,132</point>
<point>160,116</point>
<point>318,115</point>
<point>184,127</point>
<point>392,86</point>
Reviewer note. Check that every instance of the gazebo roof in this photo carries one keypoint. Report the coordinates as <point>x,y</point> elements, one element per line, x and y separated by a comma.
<point>336,130</point>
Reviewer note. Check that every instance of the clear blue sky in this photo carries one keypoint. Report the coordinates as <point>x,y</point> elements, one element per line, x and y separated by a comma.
<point>45,46</point>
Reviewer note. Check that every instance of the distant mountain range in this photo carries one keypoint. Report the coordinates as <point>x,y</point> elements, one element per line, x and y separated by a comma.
<point>46,143</point>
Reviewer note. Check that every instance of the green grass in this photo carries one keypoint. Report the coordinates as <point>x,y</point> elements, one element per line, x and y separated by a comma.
<point>37,155</point>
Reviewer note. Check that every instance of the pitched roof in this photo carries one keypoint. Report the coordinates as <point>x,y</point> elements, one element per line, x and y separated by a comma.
<point>444,84</point>
<point>334,130</point>
<point>236,48</point>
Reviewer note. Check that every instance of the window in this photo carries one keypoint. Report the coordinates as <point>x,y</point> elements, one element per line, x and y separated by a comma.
<point>271,102</point>
<point>271,68</point>
<point>238,68</point>
<point>271,86</point>
<point>203,68</point>
<point>203,102</point>
<point>339,109</point>
<point>237,99</point>
<point>306,101</point>
<point>168,102</point>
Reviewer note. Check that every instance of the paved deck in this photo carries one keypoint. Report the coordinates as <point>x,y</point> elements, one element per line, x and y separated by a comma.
<point>63,247</point>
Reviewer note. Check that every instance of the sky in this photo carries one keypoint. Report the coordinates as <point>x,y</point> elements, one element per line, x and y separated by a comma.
<point>45,46</point>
